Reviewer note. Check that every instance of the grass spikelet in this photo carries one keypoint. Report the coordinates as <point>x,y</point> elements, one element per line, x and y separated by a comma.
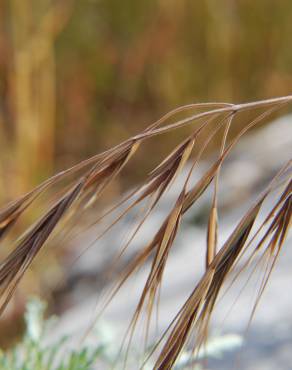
<point>200,304</point>
<point>18,261</point>
<point>196,312</point>
<point>212,233</point>
<point>89,179</point>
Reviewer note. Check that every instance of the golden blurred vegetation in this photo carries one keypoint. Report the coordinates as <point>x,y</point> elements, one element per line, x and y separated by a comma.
<point>78,76</point>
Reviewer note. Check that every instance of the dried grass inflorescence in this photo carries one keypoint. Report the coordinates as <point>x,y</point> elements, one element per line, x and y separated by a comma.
<point>99,171</point>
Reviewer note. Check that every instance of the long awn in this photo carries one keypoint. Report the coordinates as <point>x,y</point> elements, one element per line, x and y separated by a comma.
<point>89,179</point>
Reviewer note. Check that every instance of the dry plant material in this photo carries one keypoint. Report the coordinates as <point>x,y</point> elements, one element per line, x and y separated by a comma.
<point>91,177</point>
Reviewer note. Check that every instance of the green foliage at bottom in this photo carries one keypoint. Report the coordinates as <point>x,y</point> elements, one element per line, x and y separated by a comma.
<point>33,354</point>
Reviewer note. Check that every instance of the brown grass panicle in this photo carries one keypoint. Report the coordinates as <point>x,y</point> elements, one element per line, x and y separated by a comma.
<point>92,176</point>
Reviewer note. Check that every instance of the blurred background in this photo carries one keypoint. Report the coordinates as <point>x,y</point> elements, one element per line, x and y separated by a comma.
<point>77,77</point>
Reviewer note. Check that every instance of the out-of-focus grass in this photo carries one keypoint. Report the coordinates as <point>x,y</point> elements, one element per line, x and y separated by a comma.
<point>77,77</point>
<point>33,353</point>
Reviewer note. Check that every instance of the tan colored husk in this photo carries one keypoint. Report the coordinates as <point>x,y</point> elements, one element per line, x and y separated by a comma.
<point>91,177</point>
